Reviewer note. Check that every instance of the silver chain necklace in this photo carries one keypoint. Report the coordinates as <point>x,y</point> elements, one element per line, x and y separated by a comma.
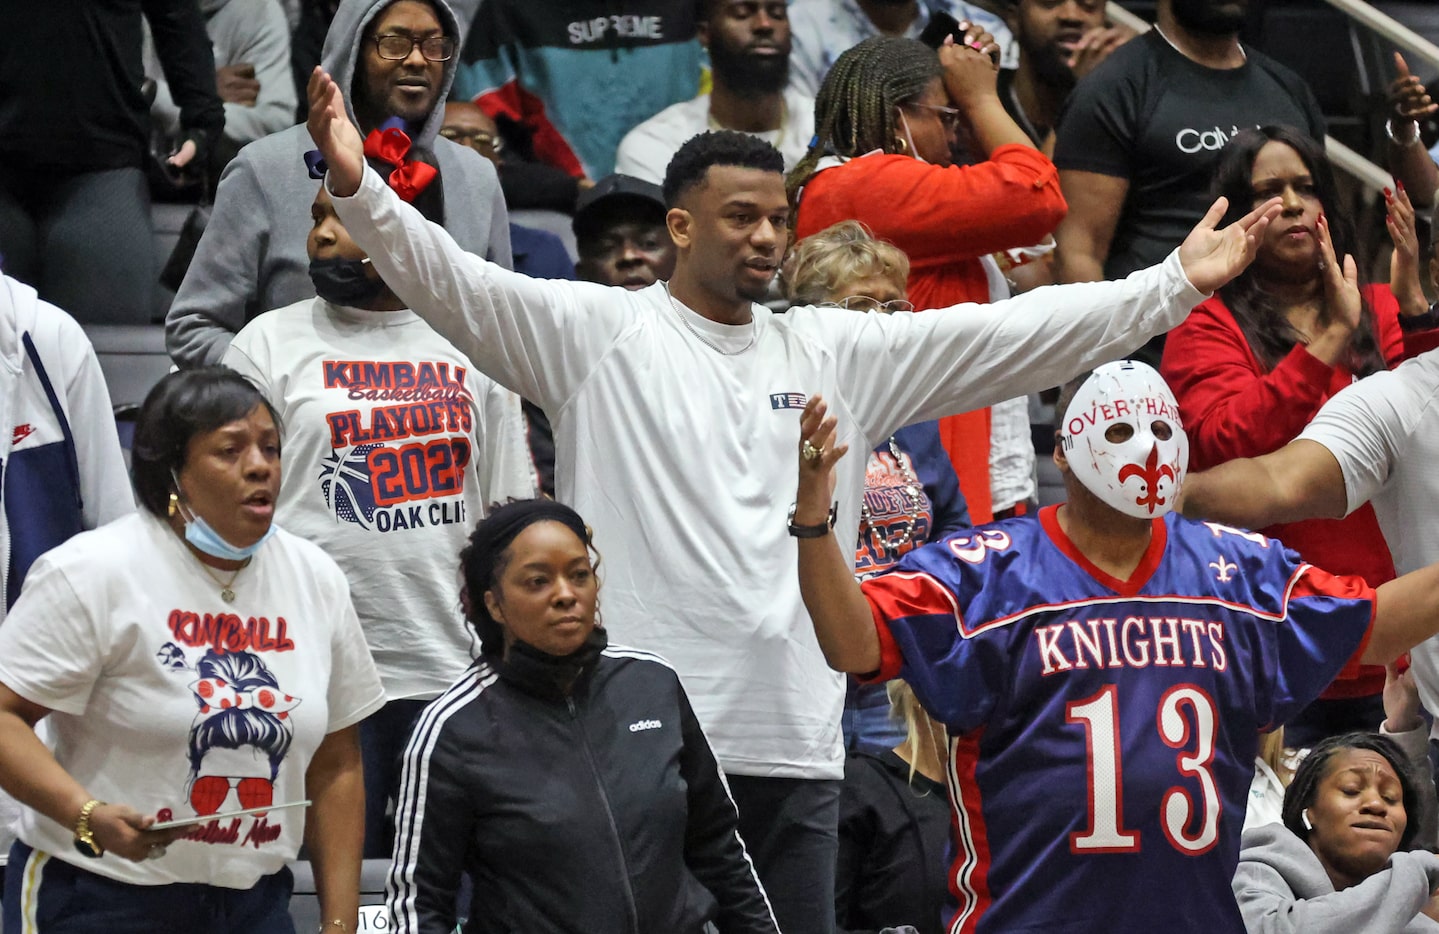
<point>1243,55</point>
<point>913,495</point>
<point>753,331</point>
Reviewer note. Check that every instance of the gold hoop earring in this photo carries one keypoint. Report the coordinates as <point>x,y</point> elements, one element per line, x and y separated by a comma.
<point>174,505</point>
<point>901,145</point>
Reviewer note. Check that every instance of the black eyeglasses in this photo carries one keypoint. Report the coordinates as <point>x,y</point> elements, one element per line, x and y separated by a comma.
<point>397,48</point>
<point>948,116</point>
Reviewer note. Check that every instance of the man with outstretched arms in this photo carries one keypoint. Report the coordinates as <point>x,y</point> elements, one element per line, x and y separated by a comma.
<point>1103,673</point>
<point>675,409</point>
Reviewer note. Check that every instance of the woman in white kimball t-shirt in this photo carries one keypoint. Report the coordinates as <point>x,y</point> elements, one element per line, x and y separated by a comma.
<point>193,663</point>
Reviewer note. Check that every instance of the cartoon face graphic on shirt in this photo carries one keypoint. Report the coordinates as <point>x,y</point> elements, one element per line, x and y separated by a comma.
<point>232,779</point>
<point>240,734</point>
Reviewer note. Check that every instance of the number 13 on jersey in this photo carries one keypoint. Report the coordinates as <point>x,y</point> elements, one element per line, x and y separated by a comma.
<point>1186,721</point>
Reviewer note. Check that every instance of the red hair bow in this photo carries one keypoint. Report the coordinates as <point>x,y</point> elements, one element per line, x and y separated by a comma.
<point>409,178</point>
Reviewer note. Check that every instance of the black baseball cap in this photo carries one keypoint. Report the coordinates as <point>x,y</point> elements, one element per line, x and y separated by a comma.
<point>612,194</point>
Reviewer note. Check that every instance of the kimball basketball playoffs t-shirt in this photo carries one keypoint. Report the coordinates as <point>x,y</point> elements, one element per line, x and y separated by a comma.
<point>394,447</point>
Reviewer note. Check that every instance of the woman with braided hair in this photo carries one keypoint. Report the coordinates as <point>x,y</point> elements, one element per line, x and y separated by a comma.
<point>886,122</point>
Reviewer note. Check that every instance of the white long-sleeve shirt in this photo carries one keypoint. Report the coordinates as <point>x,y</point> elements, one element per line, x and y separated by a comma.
<point>684,460</point>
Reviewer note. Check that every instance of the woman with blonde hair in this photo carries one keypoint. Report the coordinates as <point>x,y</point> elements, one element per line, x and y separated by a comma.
<point>911,493</point>
<point>845,265</point>
<point>894,827</point>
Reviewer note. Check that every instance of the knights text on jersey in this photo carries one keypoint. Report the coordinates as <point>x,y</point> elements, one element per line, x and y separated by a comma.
<point>1103,732</point>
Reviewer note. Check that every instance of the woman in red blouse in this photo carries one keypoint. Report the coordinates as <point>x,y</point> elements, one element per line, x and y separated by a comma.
<point>1254,363</point>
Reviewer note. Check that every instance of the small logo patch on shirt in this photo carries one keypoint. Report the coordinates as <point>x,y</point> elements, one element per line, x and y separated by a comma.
<point>22,432</point>
<point>787,400</point>
<point>642,725</point>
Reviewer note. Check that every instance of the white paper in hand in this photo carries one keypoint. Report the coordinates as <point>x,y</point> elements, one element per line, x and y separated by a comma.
<point>225,815</point>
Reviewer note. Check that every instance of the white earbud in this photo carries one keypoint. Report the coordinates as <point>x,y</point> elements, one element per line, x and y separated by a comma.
<point>1304,818</point>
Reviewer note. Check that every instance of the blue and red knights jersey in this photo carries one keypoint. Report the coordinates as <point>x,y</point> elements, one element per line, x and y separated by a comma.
<point>1103,732</point>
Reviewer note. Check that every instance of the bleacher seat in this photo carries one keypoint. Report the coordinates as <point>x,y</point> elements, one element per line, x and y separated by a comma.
<point>132,357</point>
<point>167,220</point>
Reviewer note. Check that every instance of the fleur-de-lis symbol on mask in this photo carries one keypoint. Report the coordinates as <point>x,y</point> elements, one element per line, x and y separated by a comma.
<point>1151,473</point>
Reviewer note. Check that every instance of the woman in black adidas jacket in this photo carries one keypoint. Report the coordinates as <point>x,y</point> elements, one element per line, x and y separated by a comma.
<point>569,778</point>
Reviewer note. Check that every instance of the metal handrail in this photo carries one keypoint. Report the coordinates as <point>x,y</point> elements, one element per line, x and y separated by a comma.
<point>1382,23</point>
<point>1391,29</point>
<point>1340,155</point>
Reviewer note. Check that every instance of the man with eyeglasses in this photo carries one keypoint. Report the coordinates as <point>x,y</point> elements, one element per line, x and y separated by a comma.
<point>397,59</point>
<point>537,253</point>
<point>528,184</point>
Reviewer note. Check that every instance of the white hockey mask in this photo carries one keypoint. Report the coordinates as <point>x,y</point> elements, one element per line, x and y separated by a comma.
<point>1124,441</point>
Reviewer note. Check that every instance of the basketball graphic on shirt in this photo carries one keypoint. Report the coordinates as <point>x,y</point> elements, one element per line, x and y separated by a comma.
<point>345,484</point>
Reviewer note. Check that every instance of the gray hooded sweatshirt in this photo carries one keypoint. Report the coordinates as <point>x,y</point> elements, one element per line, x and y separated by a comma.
<point>252,256</point>
<point>1282,888</point>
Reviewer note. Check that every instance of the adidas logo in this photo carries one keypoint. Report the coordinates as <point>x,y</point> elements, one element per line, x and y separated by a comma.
<point>640,725</point>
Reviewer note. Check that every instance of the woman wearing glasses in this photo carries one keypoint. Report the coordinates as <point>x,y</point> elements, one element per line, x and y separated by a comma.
<point>911,494</point>
<point>190,661</point>
<point>887,120</point>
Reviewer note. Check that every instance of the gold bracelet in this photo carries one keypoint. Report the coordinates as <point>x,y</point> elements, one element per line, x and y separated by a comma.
<point>336,923</point>
<point>85,837</point>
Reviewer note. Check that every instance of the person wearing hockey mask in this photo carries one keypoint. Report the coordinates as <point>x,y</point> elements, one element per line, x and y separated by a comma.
<point>1101,673</point>
<point>1122,442</point>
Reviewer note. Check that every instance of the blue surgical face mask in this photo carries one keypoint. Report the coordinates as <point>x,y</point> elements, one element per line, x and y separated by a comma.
<point>205,539</point>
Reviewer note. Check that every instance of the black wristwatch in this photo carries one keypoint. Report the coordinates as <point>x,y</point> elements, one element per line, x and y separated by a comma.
<point>1410,323</point>
<point>812,531</point>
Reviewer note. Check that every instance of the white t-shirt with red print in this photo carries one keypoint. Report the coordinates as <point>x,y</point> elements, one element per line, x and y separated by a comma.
<point>394,447</point>
<point>170,700</point>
